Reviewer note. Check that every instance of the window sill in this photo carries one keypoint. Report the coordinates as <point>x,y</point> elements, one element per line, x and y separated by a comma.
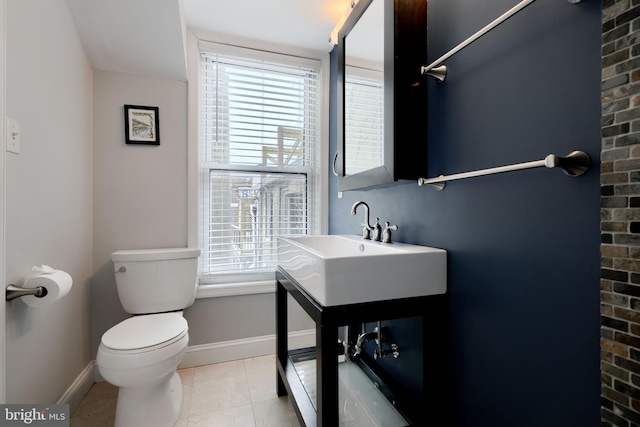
<point>235,289</point>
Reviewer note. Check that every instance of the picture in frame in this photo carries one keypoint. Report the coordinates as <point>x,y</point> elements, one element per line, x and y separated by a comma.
<point>141,125</point>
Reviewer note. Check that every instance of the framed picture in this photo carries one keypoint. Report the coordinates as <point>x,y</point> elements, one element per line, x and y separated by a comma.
<point>141,125</point>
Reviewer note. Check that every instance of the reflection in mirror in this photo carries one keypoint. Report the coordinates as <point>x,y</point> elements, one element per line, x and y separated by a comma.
<point>364,92</point>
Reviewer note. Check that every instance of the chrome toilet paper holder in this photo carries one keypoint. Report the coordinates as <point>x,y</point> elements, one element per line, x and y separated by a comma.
<point>13,292</point>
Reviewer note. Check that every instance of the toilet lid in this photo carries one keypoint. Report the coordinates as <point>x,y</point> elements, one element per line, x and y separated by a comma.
<point>145,331</point>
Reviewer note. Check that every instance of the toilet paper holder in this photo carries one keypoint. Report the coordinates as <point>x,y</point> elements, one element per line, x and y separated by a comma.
<point>13,292</point>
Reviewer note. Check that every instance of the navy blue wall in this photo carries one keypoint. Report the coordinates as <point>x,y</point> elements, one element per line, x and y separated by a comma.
<point>524,260</point>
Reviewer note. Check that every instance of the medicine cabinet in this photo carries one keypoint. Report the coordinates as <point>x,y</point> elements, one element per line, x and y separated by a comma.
<point>381,95</point>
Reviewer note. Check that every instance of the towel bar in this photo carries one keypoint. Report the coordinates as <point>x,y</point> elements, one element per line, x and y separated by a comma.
<point>439,71</point>
<point>575,163</point>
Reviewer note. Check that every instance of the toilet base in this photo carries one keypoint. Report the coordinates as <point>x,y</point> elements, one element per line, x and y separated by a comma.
<point>157,405</point>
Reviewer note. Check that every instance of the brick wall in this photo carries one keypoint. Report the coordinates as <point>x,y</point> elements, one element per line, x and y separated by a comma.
<point>620,214</point>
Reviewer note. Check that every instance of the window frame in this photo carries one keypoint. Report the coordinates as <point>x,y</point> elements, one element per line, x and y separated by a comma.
<point>246,283</point>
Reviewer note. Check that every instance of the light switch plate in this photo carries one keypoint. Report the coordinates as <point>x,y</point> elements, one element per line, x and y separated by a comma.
<point>13,136</point>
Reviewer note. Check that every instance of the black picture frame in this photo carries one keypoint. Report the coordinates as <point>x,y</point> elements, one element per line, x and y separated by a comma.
<point>141,125</point>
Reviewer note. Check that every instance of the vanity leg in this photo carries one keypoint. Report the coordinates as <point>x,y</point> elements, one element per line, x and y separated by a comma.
<point>434,342</point>
<point>327,373</point>
<point>281,336</point>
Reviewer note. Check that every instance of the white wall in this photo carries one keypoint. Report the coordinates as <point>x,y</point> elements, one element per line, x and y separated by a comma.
<point>140,191</point>
<point>48,197</point>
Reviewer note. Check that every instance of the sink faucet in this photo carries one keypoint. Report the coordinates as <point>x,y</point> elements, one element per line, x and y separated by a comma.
<point>366,228</point>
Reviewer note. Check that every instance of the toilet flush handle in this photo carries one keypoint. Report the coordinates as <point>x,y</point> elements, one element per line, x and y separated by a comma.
<point>122,269</point>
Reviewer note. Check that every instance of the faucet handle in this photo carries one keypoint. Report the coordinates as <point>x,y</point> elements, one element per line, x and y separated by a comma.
<point>366,231</point>
<point>386,234</point>
<point>377,231</point>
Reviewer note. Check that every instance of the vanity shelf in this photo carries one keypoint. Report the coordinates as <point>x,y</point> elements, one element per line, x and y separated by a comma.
<point>321,408</point>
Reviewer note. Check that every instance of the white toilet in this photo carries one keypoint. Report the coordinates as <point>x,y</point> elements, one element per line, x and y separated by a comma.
<point>140,355</point>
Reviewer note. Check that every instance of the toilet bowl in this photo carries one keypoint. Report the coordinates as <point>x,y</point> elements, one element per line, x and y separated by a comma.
<point>140,356</point>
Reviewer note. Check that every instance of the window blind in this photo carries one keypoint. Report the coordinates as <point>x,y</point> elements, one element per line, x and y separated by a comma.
<point>259,131</point>
<point>364,121</point>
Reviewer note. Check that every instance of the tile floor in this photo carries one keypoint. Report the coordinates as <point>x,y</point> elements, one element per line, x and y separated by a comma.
<point>240,393</point>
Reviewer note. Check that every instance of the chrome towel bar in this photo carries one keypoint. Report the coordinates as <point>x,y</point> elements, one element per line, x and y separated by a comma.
<point>575,163</point>
<point>439,71</point>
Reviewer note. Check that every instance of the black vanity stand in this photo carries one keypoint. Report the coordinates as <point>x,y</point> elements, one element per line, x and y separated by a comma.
<point>431,410</point>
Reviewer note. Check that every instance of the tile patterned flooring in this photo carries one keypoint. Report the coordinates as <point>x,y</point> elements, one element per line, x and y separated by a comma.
<point>240,393</point>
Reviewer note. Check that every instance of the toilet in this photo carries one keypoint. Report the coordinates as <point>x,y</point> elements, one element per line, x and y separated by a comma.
<point>140,355</point>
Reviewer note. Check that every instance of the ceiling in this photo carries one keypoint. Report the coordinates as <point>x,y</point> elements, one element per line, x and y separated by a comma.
<point>149,36</point>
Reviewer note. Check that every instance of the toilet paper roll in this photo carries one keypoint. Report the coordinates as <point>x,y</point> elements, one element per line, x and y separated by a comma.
<point>57,283</point>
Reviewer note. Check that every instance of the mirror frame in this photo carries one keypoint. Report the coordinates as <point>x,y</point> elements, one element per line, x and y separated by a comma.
<point>405,96</point>
<point>383,174</point>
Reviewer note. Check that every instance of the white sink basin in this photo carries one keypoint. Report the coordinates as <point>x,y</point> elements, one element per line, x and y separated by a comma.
<point>338,270</point>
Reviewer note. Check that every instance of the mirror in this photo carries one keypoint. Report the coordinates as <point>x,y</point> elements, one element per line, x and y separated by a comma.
<point>380,96</point>
<point>364,92</point>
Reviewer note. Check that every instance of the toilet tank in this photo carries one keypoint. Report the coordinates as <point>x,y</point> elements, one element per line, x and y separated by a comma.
<point>156,280</point>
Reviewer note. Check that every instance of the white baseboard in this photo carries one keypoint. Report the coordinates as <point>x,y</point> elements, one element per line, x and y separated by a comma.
<point>205,354</point>
<point>80,387</point>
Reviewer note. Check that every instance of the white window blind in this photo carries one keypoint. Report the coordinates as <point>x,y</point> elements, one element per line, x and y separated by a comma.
<point>364,120</point>
<point>259,131</point>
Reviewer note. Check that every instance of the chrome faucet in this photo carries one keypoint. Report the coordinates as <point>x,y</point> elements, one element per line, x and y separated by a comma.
<point>366,228</point>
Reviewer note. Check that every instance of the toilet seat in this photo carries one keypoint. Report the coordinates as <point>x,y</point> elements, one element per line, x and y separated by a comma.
<point>145,333</point>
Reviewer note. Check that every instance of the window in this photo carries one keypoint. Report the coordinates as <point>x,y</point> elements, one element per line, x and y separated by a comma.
<point>259,142</point>
<point>364,119</point>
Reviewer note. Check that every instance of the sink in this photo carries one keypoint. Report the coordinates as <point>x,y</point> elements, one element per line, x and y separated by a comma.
<point>339,270</point>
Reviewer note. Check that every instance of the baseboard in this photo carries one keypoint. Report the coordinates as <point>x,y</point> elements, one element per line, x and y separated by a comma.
<point>79,388</point>
<point>224,351</point>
